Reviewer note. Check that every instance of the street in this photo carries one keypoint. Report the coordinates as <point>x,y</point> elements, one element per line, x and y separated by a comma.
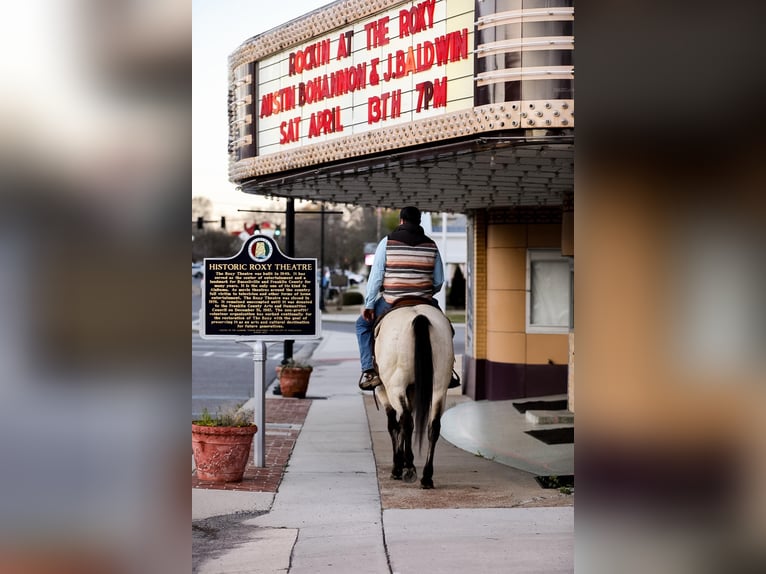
<point>223,371</point>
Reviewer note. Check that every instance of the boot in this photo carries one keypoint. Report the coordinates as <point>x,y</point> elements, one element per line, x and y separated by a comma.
<point>369,380</point>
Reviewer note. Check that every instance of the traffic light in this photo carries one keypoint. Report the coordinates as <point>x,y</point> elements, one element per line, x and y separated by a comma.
<point>223,222</point>
<point>200,223</point>
<point>278,231</point>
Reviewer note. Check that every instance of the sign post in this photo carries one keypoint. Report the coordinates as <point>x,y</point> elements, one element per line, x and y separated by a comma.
<point>259,391</point>
<point>256,296</point>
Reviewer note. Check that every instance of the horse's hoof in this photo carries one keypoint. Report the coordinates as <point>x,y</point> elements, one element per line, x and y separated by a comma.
<point>396,476</point>
<point>410,475</point>
<point>426,484</point>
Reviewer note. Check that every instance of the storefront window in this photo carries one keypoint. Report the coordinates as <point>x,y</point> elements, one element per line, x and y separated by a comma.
<point>549,291</point>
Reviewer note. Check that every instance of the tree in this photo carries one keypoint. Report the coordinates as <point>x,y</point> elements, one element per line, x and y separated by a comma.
<point>214,243</point>
<point>390,221</point>
<point>201,207</point>
<point>344,235</point>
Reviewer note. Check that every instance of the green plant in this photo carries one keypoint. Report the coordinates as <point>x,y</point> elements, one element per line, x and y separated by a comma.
<point>293,363</point>
<point>480,454</point>
<point>230,417</point>
<point>561,484</point>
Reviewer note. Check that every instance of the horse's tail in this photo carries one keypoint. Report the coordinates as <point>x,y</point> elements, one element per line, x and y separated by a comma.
<point>424,375</point>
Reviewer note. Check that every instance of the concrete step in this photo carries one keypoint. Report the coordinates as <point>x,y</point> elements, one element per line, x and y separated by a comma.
<point>550,417</point>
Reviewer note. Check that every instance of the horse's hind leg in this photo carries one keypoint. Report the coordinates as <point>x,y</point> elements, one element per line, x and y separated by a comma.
<point>395,430</point>
<point>410,472</point>
<point>401,440</point>
<point>434,429</point>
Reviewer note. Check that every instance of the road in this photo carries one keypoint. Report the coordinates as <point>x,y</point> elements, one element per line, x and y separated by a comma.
<point>223,372</point>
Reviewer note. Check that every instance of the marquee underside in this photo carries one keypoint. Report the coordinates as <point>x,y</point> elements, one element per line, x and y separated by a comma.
<point>486,172</point>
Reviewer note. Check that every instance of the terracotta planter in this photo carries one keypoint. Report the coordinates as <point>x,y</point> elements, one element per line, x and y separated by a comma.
<point>294,381</point>
<point>221,453</point>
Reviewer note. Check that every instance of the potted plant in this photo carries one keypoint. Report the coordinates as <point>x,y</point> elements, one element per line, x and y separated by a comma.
<point>221,444</point>
<point>294,378</point>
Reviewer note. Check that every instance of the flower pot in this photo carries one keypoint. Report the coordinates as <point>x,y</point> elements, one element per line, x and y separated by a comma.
<point>294,381</point>
<point>221,453</point>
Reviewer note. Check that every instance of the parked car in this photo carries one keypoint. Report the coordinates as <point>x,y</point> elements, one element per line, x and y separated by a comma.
<point>198,270</point>
<point>355,278</point>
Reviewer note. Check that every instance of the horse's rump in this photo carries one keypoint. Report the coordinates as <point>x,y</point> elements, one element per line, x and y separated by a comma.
<point>415,344</point>
<point>413,350</point>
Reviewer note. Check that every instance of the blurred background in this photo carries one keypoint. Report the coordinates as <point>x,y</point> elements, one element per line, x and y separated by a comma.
<point>671,441</point>
<point>95,158</point>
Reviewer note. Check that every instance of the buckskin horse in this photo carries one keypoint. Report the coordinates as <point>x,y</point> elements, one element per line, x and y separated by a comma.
<point>414,354</point>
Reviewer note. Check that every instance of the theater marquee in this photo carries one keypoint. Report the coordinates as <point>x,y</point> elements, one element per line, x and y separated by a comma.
<point>411,61</point>
<point>364,78</point>
<point>384,70</point>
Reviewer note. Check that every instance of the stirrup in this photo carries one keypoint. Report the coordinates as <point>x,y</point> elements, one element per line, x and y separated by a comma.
<point>369,380</point>
<point>454,381</point>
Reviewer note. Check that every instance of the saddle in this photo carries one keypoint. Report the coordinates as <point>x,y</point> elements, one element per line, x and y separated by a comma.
<point>405,302</point>
<point>410,302</point>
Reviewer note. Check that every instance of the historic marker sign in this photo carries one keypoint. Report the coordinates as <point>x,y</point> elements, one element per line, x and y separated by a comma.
<point>260,293</point>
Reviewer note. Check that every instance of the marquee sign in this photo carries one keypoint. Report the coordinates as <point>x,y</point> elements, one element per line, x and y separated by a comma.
<point>414,60</point>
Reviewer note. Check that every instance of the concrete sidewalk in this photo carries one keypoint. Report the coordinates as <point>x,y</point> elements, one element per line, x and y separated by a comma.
<point>328,515</point>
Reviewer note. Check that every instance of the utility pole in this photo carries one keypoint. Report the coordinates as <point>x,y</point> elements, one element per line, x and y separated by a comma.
<point>321,260</point>
<point>287,352</point>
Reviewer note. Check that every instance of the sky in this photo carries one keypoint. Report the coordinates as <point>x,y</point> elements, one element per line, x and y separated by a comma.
<point>219,27</point>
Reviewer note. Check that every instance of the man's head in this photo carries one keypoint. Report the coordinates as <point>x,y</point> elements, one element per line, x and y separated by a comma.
<point>410,214</point>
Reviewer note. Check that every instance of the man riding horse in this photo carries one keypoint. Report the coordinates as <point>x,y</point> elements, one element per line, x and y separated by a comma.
<point>407,268</point>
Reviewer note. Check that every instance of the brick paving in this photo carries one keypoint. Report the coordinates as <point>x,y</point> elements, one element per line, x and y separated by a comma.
<point>289,414</point>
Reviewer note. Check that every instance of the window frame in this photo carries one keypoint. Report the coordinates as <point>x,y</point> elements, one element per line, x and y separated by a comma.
<point>541,254</point>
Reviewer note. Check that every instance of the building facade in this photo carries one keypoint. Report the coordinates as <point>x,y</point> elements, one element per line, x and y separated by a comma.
<point>459,106</point>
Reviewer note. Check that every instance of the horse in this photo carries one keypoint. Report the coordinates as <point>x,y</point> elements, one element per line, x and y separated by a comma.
<point>414,355</point>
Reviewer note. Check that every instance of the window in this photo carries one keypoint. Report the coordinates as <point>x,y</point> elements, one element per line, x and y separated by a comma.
<point>549,291</point>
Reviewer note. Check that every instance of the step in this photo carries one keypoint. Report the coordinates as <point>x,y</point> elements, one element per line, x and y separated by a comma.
<point>550,417</point>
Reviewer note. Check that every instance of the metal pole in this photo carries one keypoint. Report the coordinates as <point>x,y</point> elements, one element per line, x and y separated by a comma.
<point>290,246</point>
<point>321,260</point>
<point>441,296</point>
<point>290,227</point>
<point>259,397</point>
